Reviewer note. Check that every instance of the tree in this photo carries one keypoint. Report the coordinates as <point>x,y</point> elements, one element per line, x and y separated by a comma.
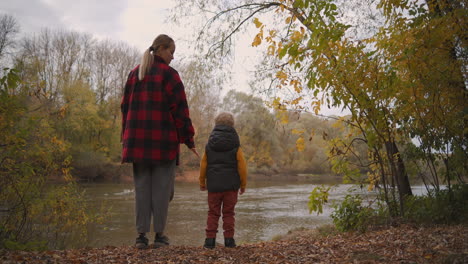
<point>110,64</point>
<point>203,88</point>
<point>433,105</point>
<point>54,59</point>
<point>377,77</point>
<point>8,29</point>
<point>34,214</point>
<point>256,127</point>
<point>79,82</point>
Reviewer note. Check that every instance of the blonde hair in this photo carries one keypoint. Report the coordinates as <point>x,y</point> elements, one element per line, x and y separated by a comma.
<point>224,118</point>
<point>147,60</point>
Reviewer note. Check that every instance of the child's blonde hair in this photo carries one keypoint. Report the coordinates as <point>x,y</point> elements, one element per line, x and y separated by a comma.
<point>224,118</point>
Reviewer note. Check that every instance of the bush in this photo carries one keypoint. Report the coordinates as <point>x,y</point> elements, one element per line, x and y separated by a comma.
<point>351,215</point>
<point>34,214</point>
<point>439,207</point>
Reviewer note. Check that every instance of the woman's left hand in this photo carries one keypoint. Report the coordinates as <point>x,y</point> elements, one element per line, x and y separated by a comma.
<point>194,150</point>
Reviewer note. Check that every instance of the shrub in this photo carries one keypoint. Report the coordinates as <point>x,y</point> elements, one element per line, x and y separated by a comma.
<point>439,207</point>
<point>34,214</point>
<point>351,215</point>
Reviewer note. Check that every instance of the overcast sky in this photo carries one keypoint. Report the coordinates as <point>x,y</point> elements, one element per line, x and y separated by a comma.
<point>136,22</point>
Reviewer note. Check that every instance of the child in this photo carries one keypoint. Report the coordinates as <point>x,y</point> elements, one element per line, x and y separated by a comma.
<point>223,172</point>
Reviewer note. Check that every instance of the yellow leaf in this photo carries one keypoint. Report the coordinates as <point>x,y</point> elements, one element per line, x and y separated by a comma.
<point>257,22</point>
<point>284,119</point>
<point>272,33</point>
<point>297,132</point>
<point>281,75</point>
<point>271,50</point>
<point>282,8</point>
<point>276,102</point>
<point>316,106</point>
<point>298,89</point>
<point>300,146</point>
<point>296,101</point>
<point>282,116</point>
<point>257,41</point>
<point>338,124</point>
<point>297,35</point>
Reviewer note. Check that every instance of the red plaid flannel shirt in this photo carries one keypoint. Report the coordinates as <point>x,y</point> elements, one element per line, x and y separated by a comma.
<point>155,116</point>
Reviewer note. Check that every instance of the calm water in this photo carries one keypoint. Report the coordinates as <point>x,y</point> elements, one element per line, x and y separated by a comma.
<point>266,209</point>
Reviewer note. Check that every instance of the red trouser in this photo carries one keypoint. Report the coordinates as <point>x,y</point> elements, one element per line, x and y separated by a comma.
<point>228,201</point>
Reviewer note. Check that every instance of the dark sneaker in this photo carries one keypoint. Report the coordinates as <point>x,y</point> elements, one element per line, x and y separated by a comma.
<point>161,241</point>
<point>229,242</point>
<point>141,242</point>
<point>210,243</point>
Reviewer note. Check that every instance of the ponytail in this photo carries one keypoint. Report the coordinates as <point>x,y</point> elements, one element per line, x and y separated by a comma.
<point>147,60</point>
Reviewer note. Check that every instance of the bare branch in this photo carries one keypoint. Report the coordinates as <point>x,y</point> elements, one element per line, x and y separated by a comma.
<point>255,8</point>
<point>8,29</point>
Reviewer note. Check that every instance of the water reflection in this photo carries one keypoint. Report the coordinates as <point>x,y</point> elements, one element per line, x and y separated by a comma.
<point>268,208</point>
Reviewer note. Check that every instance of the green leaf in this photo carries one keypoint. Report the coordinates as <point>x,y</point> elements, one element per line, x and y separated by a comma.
<point>298,4</point>
<point>293,52</point>
<point>317,198</point>
<point>283,52</point>
<point>316,91</point>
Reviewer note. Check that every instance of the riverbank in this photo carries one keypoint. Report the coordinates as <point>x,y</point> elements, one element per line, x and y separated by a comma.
<point>192,176</point>
<point>123,173</point>
<point>402,244</point>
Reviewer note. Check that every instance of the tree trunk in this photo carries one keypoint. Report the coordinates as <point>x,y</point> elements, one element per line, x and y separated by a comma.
<point>404,187</point>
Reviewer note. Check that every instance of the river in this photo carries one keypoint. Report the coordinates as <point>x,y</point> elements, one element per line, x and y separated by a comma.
<point>265,210</point>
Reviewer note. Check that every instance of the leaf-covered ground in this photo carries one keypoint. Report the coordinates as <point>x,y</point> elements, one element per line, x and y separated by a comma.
<point>402,244</point>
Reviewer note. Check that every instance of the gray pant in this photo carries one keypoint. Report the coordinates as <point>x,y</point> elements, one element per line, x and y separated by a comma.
<point>154,189</point>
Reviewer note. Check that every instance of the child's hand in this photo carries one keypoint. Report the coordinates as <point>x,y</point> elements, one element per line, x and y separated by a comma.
<point>241,191</point>
<point>202,188</point>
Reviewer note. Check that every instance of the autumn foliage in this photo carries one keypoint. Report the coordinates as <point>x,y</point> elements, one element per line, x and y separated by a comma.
<point>397,67</point>
<point>403,244</point>
<point>34,214</point>
<point>399,71</point>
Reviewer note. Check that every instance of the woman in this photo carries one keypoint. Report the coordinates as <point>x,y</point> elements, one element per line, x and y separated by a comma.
<point>155,120</point>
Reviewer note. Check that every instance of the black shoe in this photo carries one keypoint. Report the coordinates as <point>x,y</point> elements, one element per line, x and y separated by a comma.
<point>229,242</point>
<point>141,242</point>
<point>210,243</point>
<point>161,240</point>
